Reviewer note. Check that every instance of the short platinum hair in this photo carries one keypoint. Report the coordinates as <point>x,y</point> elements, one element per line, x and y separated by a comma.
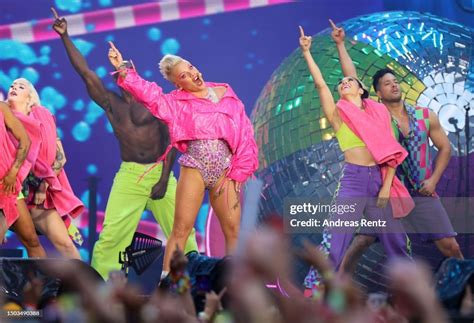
<point>167,63</point>
<point>34,97</point>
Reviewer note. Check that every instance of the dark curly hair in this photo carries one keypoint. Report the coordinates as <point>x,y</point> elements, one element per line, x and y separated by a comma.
<point>377,76</point>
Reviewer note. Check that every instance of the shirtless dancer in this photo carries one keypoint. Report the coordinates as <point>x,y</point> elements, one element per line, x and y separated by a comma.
<point>143,139</point>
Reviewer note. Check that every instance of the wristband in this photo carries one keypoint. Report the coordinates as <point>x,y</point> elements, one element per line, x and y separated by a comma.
<point>203,317</point>
<point>125,65</point>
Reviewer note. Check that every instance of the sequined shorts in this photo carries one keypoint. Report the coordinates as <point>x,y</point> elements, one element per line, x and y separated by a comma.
<point>211,157</point>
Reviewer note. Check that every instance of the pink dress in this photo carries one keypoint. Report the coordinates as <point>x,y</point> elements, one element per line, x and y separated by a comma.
<point>41,128</point>
<point>8,145</point>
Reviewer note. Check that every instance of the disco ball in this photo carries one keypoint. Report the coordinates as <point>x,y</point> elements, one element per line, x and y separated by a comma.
<point>299,156</point>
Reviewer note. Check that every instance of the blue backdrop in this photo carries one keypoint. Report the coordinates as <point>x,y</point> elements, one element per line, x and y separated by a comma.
<point>241,48</point>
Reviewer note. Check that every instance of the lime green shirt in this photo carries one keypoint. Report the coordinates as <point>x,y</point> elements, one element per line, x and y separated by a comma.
<point>347,138</point>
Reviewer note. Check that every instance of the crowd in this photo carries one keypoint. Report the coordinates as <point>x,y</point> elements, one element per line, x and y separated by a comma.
<point>239,291</point>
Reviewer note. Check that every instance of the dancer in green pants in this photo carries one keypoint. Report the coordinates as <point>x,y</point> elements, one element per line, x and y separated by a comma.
<point>125,206</point>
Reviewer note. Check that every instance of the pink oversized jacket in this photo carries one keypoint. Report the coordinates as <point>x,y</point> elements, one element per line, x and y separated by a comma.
<point>8,145</point>
<point>373,126</point>
<point>189,118</point>
<point>41,128</point>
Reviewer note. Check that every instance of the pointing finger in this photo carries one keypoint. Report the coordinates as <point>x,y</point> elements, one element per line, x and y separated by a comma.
<point>222,292</point>
<point>55,13</point>
<point>112,45</point>
<point>301,31</point>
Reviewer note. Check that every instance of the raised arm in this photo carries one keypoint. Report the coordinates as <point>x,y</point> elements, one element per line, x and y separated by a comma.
<point>19,132</point>
<point>325,95</point>
<point>338,35</point>
<point>441,142</point>
<point>94,85</point>
<point>148,93</point>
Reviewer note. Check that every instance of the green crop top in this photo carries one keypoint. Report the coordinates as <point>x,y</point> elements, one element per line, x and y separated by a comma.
<point>347,138</point>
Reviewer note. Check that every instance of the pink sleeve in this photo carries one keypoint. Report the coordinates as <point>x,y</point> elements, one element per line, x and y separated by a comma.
<point>148,93</point>
<point>399,156</point>
<point>245,158</point>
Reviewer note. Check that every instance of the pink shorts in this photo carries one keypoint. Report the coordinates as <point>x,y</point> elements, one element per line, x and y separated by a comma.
<point>210,156</point>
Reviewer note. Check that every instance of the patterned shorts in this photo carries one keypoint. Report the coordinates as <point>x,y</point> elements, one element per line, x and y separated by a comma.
<point>211,157</point>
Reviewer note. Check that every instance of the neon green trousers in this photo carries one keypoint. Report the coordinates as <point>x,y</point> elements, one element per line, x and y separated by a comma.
<point>127,201</point>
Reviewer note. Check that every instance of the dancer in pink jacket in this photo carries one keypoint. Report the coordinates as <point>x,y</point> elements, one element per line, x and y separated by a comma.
<point>51,200</point>
<point>208,124</point>
<point>13,166</point>
<point>22,224</point>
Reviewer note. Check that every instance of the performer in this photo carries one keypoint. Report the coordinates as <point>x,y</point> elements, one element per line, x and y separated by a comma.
<point>207,122</point>
<point>50,196</point>
<point>23,226</point>
<point>371,155</point>
<point>13,166</point>
<point>142,140</point>
<point>414,127</point>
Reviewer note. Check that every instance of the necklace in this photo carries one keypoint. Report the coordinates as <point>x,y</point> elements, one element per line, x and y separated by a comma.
<point>211,95</point>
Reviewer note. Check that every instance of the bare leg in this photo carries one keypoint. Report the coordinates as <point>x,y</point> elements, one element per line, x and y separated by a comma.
<point>52,226</point>
<point>226,204</point>
<point>189,195</point>
<point>449,247</point>
<point>26,232</point>
<point>3,227</point>
<point>356,249</point>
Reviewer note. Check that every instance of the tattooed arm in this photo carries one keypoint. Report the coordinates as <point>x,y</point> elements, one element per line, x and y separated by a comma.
<point>60,160</point>
<point>19,132</point>
<point>58,164</point>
